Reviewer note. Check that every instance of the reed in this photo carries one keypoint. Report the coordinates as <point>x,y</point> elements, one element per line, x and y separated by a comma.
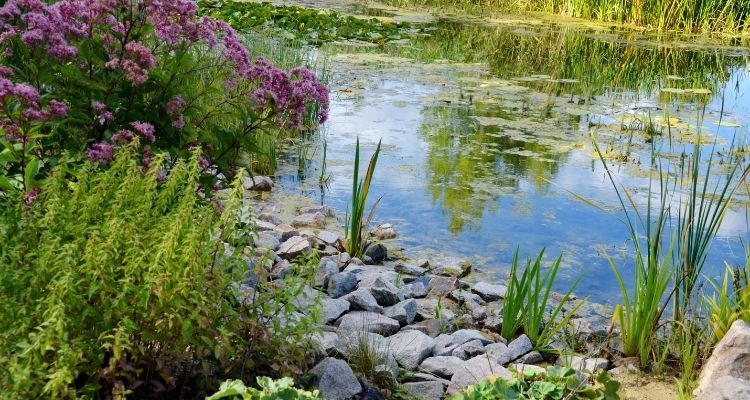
<point>356,223</point>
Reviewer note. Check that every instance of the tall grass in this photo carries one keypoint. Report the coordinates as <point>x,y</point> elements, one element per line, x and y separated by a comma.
<point>356,223</point>
<point>526,303</point>
<point>729,16</point>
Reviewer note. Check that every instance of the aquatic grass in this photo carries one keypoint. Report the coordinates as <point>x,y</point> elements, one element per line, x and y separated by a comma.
<point>356,224</point>
<point>526,303</point>
<point>730,300</point>
<point>640,312</point>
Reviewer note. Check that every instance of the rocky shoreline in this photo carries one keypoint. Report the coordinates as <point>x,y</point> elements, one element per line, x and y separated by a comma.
<point>425,326</point>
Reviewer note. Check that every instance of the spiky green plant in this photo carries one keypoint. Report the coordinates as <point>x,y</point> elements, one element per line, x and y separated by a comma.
<point>356,223</point>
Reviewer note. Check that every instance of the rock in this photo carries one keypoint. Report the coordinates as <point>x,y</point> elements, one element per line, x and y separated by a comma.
<point>430,327</point>
<point>293,247</point>
<point>490,292</point>
<point>352,343</point>
<point>498,352</point>
<point>329,237</point>
<point>411,348</point>
<point>441,286</point>
<point>270,217</point>
<point>452,267</point>
<point>341,283</point>
<point>462,336</point>
<point>263,226</point>
<point>520,346</point>
<point>522,368</point>
<point>403,312</point>
<point>325,210</point>
<point>423,377</point>
<point>362,299</point>
<point>281,269</point>
<point>727,388</point>
<point>306,298</point>
<point>442,366</point>
<point>730,360</point>
<point>468,350</point>
<point>314,220</point>
<point>333,308</point>
<point>377,252</point>
<point>257,183</point>
<point>326,269</point>
<point>469,298</point>
<point>326,342</point>
<point>428,309</point>
<point>384,292</point>
<point>413,290</point>
<point>335,379</point>
<point>429,390</point>
<point>410,269</point>
<point>368,322</point>
<point>286,232</point>
<point>383,232</point>
<point>475,370</point>
<point>591,364</point>
<point>443,345</point>
<point>533,357</point>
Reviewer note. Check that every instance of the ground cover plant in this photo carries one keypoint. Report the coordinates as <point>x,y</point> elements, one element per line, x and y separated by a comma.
<point>312,26</point>
<point>83,77</point>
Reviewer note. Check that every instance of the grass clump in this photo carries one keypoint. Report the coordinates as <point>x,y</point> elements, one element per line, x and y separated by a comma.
<point>527,300</point>
<point>356,223</point>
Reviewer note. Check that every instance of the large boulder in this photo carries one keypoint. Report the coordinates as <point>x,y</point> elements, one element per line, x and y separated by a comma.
<point>403,312</point>
<point>411,348</point>
<point>489,292</point>
<point>341,283</point>
<point>726,375</point>
<point>384,292</point>
<point>293,247</point>
<point>333,309</point>
<point>365,321</point>
<point>362,299</point>
<point>335,379</point>
<point>475,370</point>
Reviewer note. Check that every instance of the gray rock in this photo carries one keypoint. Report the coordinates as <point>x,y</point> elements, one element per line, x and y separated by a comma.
<point>429,390</point>
<point>727,388</point>
<point>441,286</point>
<point>533,357</point>
<point>522,368</point>
<point>410,269</point>
<point>350,343</point>
<point>427,309</point>
<point>730,360</point>
<point>335,379</point>
<point>326,269</point>
<point>362,299</point>
<point>430,327</point>
<point>270,217</point>
<point>265,240</point>
<point>293,247</point>
<point>325,210</point>
<point>377,252</point>
<point>444,345</point>
<point>306,298</point>
<point>329,237</point>
<point>463,296</point>
<point>403,312</point>
<point>498,352</point>
<point>411,348</point>
<point>333,309</point>
<point>424,377</point>
<point>314,220</point>
<point>341,283</point>
<point>519,346</point>
<point>462,336</point>
<point>383,232</point>
<point>592,364</point>
<point>281,269</point>
<point>326,342</point>
<point>384,292</point>
<point>468,350</point>
<point>475,370</point>
<point>263,226</point>
<point>368,322</point>
<point>490,292</point>
<point>286,232</point>
<point>257,183</point>
<point>442,366</point>
<point>452,267</point>
<point>413,290</point>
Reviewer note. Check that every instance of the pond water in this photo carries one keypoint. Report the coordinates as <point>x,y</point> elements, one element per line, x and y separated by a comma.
<point>488,128</point>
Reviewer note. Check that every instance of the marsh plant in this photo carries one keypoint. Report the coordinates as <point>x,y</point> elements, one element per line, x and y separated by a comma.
<point>356,221</point>
<point>526,303</point>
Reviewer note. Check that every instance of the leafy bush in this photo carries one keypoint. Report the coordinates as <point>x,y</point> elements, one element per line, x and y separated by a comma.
<point>270,390</point>
<point>117,282</point>
<point>89,75</point>
<point>556,383</point>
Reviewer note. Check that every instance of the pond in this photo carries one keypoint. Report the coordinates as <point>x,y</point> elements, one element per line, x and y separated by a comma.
<point>488,132</point>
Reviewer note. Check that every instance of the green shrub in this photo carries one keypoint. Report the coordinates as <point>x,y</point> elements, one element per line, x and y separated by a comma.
<point>117,283</point>
<point>556,383</point>
<point>269,390</point>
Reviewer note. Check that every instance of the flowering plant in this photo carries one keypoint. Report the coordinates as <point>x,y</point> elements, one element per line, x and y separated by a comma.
<point>83,77</point>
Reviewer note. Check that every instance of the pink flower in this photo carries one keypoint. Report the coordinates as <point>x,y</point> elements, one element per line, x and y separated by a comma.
<point>144,129</point>
<point>101,152</point>
<point>58,108</point>
<point>175,105</point>
<point>123,136</point>
<point>30,197</point>
<point>179,122</point>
